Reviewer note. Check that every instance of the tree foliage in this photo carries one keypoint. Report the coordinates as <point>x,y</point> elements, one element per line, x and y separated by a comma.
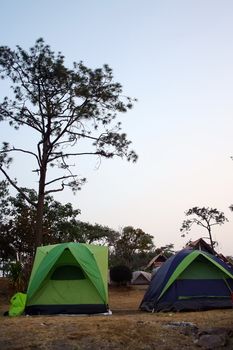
<point>204,217</point>
<point>132,242</point>
<point>6,249</point>
<point>61,224</point>
<point>131,247</point>
<point>71,113</point>
<point>167,250</point>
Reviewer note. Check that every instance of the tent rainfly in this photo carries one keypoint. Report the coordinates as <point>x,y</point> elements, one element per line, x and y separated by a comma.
<point>68,278</point>
<point>141,277</point>
<point>157,261</point>
<point>190,280</point>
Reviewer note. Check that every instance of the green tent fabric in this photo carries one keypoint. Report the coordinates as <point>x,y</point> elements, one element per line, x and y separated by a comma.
<point>17,304</point>
<point>68,278</point>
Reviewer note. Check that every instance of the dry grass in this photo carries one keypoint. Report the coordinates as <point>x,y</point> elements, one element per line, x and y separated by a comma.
<point>127,328</point>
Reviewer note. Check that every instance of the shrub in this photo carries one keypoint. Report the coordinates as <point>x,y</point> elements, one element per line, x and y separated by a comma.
<point>120,274</point>
<point>16,276</point>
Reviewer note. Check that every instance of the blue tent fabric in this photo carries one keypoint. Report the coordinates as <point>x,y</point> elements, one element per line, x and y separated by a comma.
<point>188,294</point>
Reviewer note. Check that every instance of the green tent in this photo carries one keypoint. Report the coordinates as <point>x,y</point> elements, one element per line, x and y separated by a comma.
<point>68,278</point>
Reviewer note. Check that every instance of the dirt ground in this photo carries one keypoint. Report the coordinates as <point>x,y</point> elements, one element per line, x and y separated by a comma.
<point>126,328</point>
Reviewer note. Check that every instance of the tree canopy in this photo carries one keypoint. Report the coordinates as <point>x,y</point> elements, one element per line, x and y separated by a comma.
<point>132,242</point>
<point>61,224</point>
<point>71,113</point>
<point>131,247</point>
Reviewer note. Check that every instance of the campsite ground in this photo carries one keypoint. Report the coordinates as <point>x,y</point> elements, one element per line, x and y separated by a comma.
<point>126,328</point>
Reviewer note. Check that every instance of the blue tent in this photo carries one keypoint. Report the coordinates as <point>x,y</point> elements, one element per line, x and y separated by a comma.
<point>190,280</point>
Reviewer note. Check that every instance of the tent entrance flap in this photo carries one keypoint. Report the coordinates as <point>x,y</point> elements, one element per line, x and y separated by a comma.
<point>68,272</point>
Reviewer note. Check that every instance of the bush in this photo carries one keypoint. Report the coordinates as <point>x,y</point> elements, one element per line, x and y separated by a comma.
<point>120,274</point>
<point>16,276</point>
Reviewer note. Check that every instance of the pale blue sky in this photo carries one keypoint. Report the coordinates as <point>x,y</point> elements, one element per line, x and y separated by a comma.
<point>176,57</point>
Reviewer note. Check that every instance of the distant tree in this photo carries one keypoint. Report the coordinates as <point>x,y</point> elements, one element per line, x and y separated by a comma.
<point>120,274</point>
<point>167,250</point>
<point>7,252</point>
<point>4,193</point>
<point>94,234</point>
<point>63,108</point>
<point>131,242</point>
<point>204,217</point>
<point>18,229</point>
<point>60,225</point>
<point>140,260</point>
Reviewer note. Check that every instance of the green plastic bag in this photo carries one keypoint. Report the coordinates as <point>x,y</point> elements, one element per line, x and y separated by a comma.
<point>17,304</point>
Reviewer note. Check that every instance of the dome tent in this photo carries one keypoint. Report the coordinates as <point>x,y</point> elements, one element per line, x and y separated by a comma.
<point>190,280</point>
<point>68,278</point>
<point>141,277</point>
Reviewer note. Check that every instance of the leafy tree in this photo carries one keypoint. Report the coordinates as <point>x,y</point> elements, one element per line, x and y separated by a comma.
<point>7,252</point>
<point>4,193</point>
<point>140,260</point>
<point>70,112</point>
<point>85,232</point>
<point>204,217</point>
<point>167,250</point>
<point>131,242</point>
<point>60,225</point>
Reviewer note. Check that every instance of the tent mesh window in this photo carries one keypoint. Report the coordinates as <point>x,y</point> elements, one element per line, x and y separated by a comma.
<point>68,272</point>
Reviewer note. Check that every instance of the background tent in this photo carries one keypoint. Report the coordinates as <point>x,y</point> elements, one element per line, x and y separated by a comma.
<point>141,277</point>
<point>68,278</point>
<point>157,261</point>
<point>200,244</point>
<point>190,280</point>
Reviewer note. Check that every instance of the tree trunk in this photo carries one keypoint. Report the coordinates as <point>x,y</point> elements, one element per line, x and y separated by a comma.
<point>211,240</point>
<point>40,209</point>
<point>39,221</point>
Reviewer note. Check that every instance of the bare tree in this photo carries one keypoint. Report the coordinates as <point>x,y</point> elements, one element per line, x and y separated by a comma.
<point>204,217</point>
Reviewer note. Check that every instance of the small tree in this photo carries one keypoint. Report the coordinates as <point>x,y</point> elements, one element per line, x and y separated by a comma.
<point>70,112</point>
<point>204,217</point>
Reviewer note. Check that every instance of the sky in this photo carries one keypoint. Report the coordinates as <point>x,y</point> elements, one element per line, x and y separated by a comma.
<point>175,57</point>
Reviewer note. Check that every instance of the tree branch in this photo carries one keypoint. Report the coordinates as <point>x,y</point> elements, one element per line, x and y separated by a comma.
<point>20,121</point>
<point>17,188</point>
<point>200,223</point>
<point>56,190</point>
<point>100,153</point>
<point>21,150</point>
<point>70,122</point>
<point>81,135</point>
<point>216,223</point>
<point>60,178</point>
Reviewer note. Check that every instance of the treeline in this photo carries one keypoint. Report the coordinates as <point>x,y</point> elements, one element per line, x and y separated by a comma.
<point>130,246</point>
